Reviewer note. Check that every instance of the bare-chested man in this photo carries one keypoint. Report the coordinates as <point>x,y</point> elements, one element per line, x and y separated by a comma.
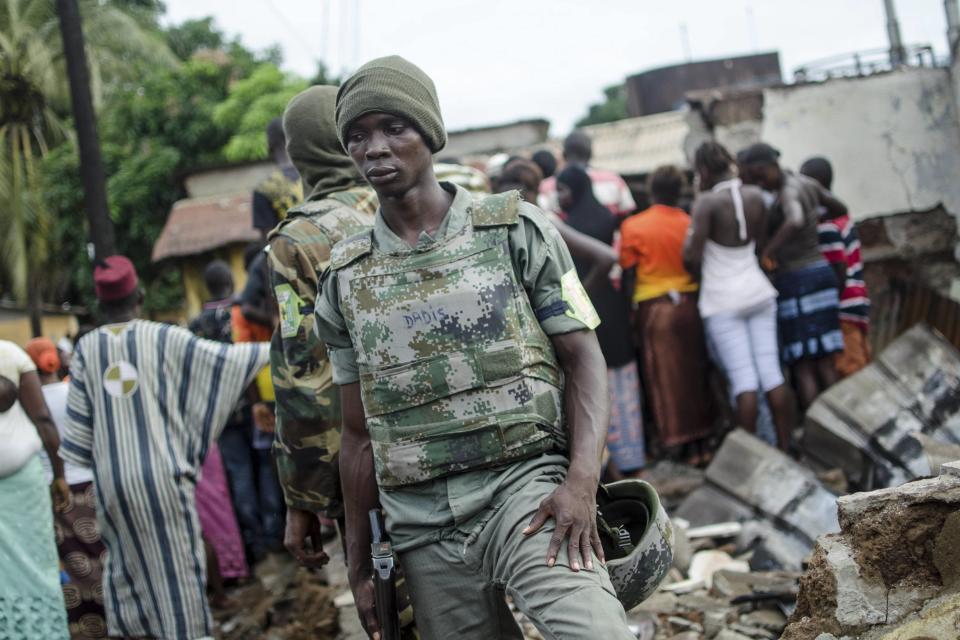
<point>809,300</point>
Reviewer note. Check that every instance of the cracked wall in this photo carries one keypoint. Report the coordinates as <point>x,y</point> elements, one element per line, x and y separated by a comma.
<point>894,139</point>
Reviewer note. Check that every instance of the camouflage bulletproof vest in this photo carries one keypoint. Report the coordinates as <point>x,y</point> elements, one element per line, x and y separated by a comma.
<point>455,371</point>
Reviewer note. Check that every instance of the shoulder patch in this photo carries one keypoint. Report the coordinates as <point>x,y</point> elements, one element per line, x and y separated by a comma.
<point>497,210</point>
<point>351,249</point>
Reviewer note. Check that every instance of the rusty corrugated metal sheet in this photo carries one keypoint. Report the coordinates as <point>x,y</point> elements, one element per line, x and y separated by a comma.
<point>198,225</point>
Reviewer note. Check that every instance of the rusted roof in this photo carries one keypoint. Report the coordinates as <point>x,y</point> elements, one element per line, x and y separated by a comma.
<point>198,225</point>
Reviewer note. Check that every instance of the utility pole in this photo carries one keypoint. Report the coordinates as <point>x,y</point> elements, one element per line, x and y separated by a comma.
<point>91,165</point>
<point>898,55</point>
<point>953,26</point>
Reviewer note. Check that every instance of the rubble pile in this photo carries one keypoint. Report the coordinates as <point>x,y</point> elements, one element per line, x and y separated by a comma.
<point>284,602</point>
<point>880,565</point>
<point>893,571</point>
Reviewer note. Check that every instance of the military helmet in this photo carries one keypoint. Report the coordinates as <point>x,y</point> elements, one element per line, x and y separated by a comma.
<point>637,539</point>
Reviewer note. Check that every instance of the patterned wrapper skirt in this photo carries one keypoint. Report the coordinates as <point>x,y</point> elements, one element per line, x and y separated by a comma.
<point>31,603</point>
<point>81,560</point>
<point>625,437</point>
<point>808,313</point>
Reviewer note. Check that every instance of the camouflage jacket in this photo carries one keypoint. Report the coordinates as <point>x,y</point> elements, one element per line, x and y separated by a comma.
<point>456,372</point>
<point>308,405</point>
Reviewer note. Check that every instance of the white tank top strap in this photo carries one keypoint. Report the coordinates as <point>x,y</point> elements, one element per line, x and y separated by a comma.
<point>734,184</point>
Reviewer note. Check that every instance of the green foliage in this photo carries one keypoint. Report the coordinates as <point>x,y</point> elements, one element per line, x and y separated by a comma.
<point>252,104</point>
<point>613,108</point>
<point>151,134</point>
<point>169,101</point>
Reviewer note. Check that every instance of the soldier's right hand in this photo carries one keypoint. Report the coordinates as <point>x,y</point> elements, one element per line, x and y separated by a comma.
<point>303,525</point>
<point>364,600</point>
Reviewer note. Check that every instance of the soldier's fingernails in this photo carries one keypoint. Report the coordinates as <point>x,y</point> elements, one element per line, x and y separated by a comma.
<point>551,561</point>
<point>526,531</point>
<point>575,565</point>
<point>590,565</point>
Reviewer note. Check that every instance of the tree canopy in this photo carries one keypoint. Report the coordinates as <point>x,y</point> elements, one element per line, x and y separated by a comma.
<point>613,108</point>
<point>180,98</point>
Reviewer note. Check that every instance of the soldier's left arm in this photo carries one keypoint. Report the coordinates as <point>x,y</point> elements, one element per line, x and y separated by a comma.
<point>567,316</point>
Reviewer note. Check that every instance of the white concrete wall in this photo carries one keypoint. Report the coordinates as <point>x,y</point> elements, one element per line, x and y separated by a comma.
<point>893,139</point>
<point>639,145</point>
<point>490,140</point>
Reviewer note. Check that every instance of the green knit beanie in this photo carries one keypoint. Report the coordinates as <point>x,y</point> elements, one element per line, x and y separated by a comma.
<point>392,85</point>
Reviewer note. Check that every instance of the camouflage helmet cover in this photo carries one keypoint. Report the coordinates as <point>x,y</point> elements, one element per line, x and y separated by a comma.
<point>637,539</point>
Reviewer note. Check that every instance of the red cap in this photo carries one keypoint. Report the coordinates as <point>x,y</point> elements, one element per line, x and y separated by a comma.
<point>114,278</point>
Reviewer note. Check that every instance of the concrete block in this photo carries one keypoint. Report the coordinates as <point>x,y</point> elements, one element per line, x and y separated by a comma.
<point>865,423</point>
<point>859,602</point>
<point>773,484</point>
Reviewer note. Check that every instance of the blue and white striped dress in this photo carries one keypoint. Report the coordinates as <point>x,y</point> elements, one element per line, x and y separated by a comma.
<point>146,400</point>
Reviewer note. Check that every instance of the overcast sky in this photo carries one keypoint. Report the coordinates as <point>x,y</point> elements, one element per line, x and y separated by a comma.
<point>500,60</point>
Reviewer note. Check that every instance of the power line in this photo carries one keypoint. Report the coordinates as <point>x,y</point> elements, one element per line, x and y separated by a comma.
<point>297,36</point>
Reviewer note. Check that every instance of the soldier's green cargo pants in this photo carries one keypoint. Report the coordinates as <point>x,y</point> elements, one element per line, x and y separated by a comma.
<point>457,585</point>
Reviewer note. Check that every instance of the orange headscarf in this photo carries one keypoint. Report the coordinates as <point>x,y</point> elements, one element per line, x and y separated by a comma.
<point>44,354</point>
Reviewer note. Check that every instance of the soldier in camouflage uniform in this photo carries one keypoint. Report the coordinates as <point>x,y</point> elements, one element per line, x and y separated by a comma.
<point>473,389</point>
<point>339,203</point>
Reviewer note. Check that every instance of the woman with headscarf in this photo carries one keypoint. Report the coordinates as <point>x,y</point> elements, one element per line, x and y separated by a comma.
<point>75,523</point>
<point>586,215</point>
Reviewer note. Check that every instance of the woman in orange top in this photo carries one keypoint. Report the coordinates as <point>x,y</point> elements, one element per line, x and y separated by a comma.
<point>667,325</point>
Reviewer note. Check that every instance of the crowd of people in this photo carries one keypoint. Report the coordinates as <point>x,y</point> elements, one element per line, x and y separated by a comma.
<point>752,271</point>
<point>448,344</point>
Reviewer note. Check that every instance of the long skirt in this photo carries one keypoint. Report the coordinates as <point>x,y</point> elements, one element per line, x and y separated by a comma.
<point>31,602</point>
<point>81,556</point>
<point>674,358</point>
<point>217,518</point>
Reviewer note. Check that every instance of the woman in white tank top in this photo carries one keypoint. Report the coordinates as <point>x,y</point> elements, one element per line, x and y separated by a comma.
<point>737,300</point>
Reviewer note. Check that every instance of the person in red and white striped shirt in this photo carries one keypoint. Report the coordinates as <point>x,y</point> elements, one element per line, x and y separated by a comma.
<point>608,187</point>
<point>840,245</point>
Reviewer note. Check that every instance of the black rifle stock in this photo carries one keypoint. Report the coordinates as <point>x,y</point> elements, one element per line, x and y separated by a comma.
<point>384,579</point>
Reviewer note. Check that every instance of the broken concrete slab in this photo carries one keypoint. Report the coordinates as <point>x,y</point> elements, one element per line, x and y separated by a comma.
<point>865,423</point>
<point>773,484</point>
<point>781,505</point>
<point>898,550</point>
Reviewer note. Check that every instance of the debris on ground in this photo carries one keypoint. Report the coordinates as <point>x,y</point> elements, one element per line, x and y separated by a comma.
<point>892,572</point>
<point>281,602</point>
<point>886,567</point>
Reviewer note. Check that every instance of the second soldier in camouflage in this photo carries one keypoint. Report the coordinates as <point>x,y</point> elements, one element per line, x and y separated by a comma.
<point>338,204</point>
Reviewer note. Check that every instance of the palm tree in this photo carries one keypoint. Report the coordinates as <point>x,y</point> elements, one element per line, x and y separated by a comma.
<point>33,93</point>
